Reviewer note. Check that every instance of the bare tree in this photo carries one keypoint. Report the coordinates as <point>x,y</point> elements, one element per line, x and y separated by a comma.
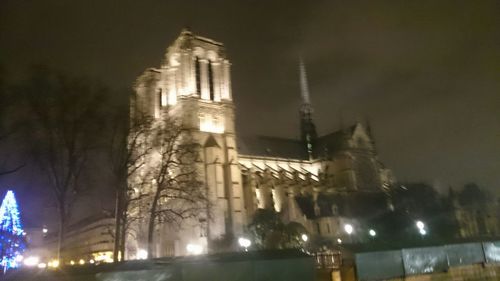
<point>66,118</point>
<point>128,151</point>
<point>177,194</point>
<point>6,130</point>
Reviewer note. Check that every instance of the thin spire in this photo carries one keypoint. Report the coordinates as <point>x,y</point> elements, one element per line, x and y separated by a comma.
<point>307,127</point>
<point>304,87</point>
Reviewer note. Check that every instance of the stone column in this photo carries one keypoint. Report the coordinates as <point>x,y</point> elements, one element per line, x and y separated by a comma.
<point>226,92</point>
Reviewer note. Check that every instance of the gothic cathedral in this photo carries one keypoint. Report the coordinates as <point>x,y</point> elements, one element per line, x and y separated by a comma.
<point>305,180</point>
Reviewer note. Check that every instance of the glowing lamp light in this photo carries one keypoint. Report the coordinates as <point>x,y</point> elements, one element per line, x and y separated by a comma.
<point>142,254</point>
<point>304,237</point>
<point>420,225</point>
<point>31,261</point>
<point>244,242</point>
<point>422,231</point>
<point>42,265</point>
<point>339,240</point>
<point>45,230</point>
<point>72,262</point>
<point>194,249</point>
<point>91,261</point>
<point>372,233</point>
<point>81,262</point>
<point>53,263</point>
<point>348,229</point>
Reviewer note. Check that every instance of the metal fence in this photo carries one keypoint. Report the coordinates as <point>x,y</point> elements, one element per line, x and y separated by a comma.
<point>405,262</point>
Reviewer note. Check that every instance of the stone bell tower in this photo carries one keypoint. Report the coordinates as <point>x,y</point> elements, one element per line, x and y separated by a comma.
<point>193,84</point>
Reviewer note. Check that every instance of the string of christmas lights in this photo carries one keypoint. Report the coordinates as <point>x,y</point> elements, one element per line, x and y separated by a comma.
<point>12,243</point>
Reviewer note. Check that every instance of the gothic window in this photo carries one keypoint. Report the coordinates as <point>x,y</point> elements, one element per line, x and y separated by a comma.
<point>160,104</point>
<point>211,80</point>
<point>198,76</point>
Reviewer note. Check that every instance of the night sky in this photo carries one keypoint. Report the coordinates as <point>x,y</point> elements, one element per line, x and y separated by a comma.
<point>425,73</point>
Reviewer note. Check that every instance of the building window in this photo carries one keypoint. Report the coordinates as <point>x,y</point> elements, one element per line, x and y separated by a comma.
<point>198,76</point>
<point>211,80</point>
<point>328,228</point>
<point>319,228</point>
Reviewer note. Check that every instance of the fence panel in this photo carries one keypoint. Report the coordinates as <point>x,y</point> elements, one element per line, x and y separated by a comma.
<point>424,260</point>
<point>464,254</point>
<point>379,265</point>
<point>492,251</point>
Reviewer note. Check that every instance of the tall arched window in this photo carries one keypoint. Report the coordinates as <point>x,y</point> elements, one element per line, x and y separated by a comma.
<point>211,80</point>
<point>198,76</point>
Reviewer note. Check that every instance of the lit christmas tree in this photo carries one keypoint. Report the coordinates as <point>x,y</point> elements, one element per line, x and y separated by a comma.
<point>12,243</point>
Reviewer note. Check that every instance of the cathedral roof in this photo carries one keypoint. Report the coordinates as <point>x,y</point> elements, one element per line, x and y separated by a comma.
<point>272,147</point>
<point>334,142</point>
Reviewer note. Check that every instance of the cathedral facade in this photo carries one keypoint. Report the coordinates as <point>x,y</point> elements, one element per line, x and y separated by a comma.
<point>295,177</point>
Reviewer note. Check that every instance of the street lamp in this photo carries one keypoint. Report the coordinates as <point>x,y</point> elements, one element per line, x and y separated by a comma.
<point>348,229</point>
<point>422,231</point>
<point>304,237</point>
<point>420,224</point>
<point>244,242</point>
<point>372,233</point>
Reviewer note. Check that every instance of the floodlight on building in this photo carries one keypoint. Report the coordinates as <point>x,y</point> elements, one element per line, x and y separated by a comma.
<point>142,254</point>
<point>42,265</point>
<point>348,229</point>
<point>194,249</point>
<point>31,261</point>
<point>304,237</point>
<point>420,224</point>
<point>81,262</point>
<point>372,233</point>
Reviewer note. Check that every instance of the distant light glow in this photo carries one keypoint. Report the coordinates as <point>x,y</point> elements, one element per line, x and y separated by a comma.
<point>31,261</point>
<point>339,240</point>
<point>194,249</point>
<point>81,262</point>
<point>142,254</point>
<point>45,230</point>
<point>53,263</point>
<point>42,265</point>
<point>372,233</point>
<point>348,229</point>
<point>304,237</point>
<point>422,231</point>
<point>244,242</point>
<point>420,225</point>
